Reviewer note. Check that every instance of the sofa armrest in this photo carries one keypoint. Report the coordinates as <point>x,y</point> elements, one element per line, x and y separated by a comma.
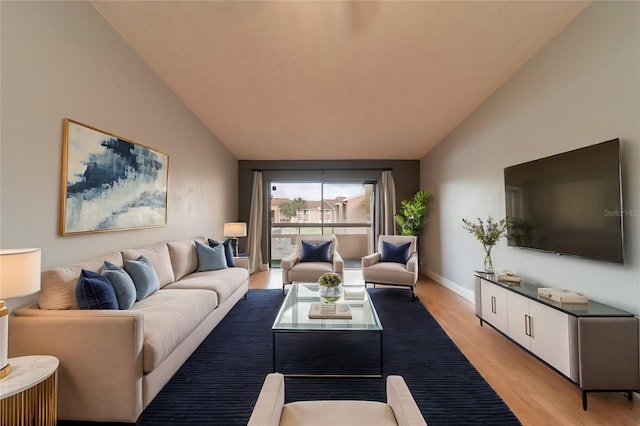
<point>371,259</point>
<point>287,262</point>
<point>241,262</point>
<point>412,263</point>
<point>100,355</point>
<point>338,263</point>
<point>268,408</point>
<point>402,403</point>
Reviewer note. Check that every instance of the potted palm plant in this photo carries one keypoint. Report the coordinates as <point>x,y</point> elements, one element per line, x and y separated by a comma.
<point>410,220</point>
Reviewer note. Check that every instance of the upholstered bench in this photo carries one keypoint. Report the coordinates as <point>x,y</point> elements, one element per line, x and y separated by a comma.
<point>270,409</point>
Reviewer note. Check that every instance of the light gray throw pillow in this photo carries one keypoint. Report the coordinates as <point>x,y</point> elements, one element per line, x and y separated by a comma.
<point>144,277</point>
<point>210,258</point>
<point>122,284</point>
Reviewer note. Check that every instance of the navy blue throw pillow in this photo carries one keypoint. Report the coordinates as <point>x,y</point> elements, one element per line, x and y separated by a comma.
<point>228,251</point>
<point>94,291</point>
<point>312,252</point>
<point>398,253</point>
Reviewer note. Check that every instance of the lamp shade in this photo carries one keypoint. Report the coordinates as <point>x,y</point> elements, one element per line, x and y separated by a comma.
<point>235,229</point>
<point>19,272</point>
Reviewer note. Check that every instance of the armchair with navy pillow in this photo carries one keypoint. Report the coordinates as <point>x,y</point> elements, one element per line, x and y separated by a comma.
<point>312,256</point>
<point>395,262</point>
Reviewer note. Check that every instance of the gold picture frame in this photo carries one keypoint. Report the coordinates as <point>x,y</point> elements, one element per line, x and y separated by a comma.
<point>110,183</point>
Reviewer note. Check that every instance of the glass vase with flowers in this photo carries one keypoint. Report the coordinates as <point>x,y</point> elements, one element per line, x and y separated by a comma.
<point>488,232</point>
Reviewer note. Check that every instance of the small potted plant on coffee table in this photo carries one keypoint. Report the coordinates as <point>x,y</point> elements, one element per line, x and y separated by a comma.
<point>330,286</point>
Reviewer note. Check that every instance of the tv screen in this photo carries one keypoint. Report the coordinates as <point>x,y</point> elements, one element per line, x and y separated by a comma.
<point>569,203</point>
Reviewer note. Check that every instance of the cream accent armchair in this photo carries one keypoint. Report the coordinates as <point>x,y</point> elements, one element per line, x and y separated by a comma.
<point>295,271</point>
<point>270,409</point>
<point>392,273</point>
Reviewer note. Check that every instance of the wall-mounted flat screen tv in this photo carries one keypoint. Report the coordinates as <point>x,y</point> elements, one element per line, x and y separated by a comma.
<point>569,203</point>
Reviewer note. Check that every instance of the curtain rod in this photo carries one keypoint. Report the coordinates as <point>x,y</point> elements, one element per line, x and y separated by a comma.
<point>323,170</point>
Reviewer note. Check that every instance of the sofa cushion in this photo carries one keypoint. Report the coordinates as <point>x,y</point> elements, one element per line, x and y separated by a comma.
<point>309,272</point>
<point>228,251</point>
<point>58,285</point>
<point>159,257</point>
<point>169,317</point>
<point>94,291</point>
<point>315,252</point>
<point>398,253</point>
<point>122,284</point>
<point>210,258</point>
<point>183,257</point>
<point>144,277</point>
<point>224,282</point>
<point>389,273</point>
<point>325,412</point>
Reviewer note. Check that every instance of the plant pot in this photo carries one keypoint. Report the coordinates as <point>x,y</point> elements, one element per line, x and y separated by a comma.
<point>331,294</point>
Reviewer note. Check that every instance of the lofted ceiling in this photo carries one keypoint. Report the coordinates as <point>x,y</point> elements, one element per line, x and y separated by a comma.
<point>310,80</point>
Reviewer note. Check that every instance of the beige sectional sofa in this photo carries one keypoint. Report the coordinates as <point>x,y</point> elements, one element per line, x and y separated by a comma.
<point>114,362</point>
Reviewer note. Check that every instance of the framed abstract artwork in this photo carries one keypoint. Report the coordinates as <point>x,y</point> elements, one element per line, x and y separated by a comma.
<point>110,183</point>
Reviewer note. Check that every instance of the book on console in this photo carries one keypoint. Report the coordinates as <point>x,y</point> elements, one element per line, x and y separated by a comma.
<point>508,278</point>
<point>321,310</point>
<point>562,296</point>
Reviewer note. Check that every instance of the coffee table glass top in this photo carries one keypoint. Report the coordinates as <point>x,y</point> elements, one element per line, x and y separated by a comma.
<point>293,314</point>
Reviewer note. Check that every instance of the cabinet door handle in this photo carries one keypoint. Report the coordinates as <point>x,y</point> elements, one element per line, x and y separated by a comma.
<point>493,304</point>
<point>528,325</point>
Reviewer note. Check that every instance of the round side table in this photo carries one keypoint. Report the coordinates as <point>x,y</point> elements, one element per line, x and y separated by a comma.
<point>29,394</point>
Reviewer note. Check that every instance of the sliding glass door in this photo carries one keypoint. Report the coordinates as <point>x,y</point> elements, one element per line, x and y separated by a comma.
<point>345,209</point>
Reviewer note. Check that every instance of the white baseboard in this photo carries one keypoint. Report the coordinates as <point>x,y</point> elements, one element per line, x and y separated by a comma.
<point>456,288</point>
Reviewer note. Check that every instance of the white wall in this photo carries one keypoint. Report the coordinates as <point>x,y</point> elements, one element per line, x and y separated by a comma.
<point>61,59</point>
<point>581,89</point>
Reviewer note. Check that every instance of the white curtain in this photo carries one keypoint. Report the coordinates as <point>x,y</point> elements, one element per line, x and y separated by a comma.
<point>254,240</point>
<point>388,203</point>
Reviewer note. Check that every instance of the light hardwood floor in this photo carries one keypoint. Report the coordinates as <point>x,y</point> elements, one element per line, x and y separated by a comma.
<point>536,394</point>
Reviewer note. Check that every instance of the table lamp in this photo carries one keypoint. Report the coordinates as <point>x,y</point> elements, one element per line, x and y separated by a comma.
<point>234,230</point>
<point>19,276</point>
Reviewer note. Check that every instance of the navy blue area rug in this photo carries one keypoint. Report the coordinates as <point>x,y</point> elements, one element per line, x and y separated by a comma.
<point>220,382</point>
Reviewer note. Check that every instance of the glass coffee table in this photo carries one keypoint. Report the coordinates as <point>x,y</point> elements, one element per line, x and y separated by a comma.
<point>293,318</point>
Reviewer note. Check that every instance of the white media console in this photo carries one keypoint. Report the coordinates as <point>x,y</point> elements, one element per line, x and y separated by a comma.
<point>593,345</point>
